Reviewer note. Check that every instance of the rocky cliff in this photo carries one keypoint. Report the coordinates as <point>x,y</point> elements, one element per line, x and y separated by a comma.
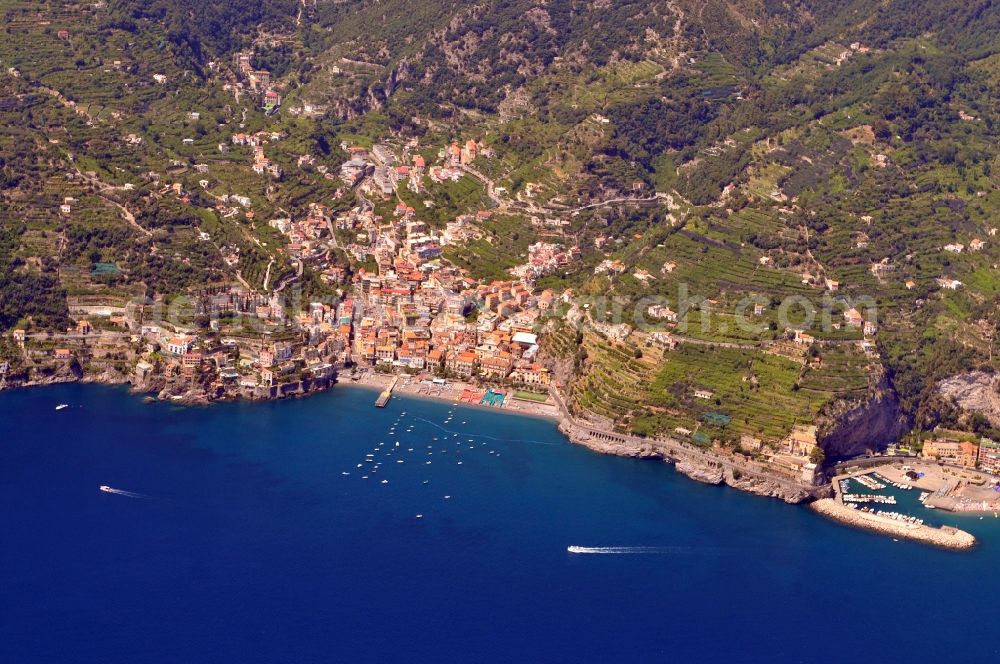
<point>975,391</point>
<point>701,473</point>
<point>714,474</point>
<point>854,427</point>
<point>768,488</point>
<point>53,374</point>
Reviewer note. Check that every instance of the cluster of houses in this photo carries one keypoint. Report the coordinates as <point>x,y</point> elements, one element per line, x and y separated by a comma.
<point>261,164</point>
<point>308,238</point>
<point>258,81</point>
<point>463,228</point>
<point>418,312</point>
<point>963,449</point>
<point>378,172</point>
<point>609,266</point>
<point>791,456</point>
<point>416,321</point>
<point>228,361</point>
<point>545,258</point>
<point>883,268</point>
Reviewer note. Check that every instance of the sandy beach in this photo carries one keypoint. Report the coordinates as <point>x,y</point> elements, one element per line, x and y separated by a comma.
<point>452,392</point>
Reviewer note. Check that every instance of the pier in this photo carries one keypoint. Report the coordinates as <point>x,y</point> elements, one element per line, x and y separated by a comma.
<point>843,507</point>
<point>386,394</point>
<point>944,536</point>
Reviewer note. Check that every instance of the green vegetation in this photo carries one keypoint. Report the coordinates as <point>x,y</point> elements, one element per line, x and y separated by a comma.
<point>798,145</point>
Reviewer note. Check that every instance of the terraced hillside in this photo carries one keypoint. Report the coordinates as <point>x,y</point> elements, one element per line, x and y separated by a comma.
<point>812,188</point>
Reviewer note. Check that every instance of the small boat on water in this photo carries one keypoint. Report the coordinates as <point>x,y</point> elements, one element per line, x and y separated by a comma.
<point>62,405</point>
<point>106,489</point>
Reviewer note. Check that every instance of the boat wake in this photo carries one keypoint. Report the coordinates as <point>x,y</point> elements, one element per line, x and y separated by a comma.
<point>120,492</point>
<point>626,550</point>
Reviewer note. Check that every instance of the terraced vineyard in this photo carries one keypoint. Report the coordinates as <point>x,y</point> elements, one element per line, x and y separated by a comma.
<point>714,155</point>
<point>643,388</point>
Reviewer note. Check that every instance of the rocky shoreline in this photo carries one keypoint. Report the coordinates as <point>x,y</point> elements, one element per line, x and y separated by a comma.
<point>701,466</point>
<point>945,537</point>
<point>192,396</point>
<point>698,465</point>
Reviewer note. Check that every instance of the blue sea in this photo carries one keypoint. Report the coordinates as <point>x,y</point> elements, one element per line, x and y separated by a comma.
<point>247,533</point>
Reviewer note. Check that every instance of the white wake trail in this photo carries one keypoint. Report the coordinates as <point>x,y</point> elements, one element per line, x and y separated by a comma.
<point>626,550</point>
<point>121,492</point>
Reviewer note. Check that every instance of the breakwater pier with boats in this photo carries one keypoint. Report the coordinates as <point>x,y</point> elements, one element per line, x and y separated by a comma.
<point>857,502</point>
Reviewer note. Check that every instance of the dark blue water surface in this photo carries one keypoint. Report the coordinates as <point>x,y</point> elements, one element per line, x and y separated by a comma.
<point>244,541</point>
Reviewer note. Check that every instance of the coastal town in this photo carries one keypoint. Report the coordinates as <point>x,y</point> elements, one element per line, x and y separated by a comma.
<point>402,307</point>
<point>494,331</point>
<point>410,312</point>
<point>406,310</point>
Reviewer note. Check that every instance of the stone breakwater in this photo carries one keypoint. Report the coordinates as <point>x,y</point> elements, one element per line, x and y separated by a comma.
<point>945,536</point>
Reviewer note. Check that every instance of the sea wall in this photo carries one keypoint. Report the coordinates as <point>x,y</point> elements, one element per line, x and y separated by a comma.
<point>945,536</point>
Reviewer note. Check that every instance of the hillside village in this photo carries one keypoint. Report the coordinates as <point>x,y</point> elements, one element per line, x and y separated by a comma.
<point>241,232</point>
<point>317,311</point>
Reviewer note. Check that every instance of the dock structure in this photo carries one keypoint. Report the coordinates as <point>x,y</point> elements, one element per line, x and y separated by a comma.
<point>386,394</point>
<point>944,536</point>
